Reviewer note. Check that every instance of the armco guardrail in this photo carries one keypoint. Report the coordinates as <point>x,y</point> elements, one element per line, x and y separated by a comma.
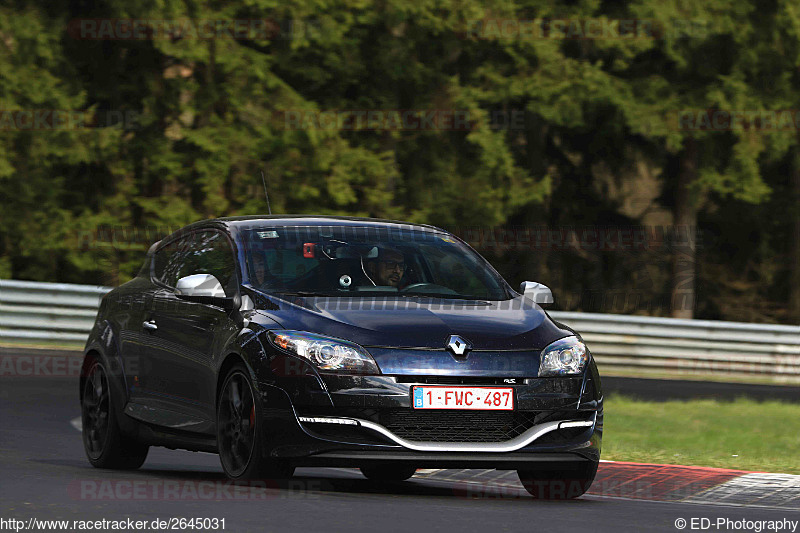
<point>36,311</point>
<point>32,311</point>
<point>621,343</point>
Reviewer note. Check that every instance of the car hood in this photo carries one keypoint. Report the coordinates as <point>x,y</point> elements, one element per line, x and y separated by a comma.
<point>419,322</point>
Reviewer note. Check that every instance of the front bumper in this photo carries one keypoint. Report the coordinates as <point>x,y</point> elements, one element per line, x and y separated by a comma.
<point>336,420</point>
<point>527,437</point>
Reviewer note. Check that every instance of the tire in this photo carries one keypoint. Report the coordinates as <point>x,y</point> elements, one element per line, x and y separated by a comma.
<point>239,433</point>
<point>388,472</point>
<point>103,442</point>
<point>559,483</point>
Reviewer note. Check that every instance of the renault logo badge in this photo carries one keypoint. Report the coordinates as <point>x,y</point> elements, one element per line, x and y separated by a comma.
<point>458,346</point>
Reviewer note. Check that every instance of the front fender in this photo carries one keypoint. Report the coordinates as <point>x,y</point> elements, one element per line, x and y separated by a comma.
<point>269,367</point>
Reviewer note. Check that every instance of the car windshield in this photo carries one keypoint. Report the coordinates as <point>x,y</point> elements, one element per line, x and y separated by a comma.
<point>361,261</point>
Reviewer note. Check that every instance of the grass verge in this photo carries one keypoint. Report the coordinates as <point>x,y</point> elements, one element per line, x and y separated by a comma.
<point>742,434</point>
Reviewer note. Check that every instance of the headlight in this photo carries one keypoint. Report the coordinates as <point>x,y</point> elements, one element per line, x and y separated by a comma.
<point>567,356</point>
<point>326,353</point>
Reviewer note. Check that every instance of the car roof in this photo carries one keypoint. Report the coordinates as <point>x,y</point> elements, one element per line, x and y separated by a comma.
<point>306,220</point>
<point>233,224</point>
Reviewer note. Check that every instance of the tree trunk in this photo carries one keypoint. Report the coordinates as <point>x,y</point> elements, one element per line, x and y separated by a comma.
<point>794,259</point>
<point>682,295</point>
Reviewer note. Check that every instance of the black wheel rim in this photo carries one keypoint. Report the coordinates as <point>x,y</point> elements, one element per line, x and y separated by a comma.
<point>236,421</point>
<point>95,409</point>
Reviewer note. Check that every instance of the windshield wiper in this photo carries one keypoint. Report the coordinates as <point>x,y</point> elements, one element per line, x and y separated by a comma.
<point>297,293</point>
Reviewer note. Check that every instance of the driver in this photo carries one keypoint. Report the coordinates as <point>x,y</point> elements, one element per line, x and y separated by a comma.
<point>388,268</point>
<point>261,272</point>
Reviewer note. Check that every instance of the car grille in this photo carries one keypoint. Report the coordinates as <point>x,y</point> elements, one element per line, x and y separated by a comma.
<point>460,426</point>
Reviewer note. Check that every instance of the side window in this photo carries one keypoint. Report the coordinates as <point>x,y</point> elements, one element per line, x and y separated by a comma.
<point>211,253</point>
<point>204,252</point>
<point>168,261</point>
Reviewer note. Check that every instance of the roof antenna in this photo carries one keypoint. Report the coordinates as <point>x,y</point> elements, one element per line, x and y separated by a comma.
<point>264,181</point>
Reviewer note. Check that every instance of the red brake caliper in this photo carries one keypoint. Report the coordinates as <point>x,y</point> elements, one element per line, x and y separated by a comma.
<point>253,415</point>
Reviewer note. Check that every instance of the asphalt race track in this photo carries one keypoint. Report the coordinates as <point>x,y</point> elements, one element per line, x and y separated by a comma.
<point>46,476</point>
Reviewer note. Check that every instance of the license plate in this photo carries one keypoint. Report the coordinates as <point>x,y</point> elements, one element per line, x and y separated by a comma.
<point>482,398</point>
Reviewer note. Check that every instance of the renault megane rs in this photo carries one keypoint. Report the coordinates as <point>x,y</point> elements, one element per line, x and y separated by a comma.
<point>287,341</point>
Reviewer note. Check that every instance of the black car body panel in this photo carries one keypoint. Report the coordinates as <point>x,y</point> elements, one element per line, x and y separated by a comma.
<point>166,381</point>
<point>513,325</point>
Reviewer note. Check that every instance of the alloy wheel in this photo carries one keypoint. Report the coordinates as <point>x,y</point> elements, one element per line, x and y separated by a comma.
<point>237,420</point>
<point>95,411</point>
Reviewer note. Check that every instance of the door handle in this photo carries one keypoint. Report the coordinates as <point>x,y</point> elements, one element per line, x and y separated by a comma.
<point>150,325</point>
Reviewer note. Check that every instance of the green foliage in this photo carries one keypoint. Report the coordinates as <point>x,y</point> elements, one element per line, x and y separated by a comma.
<point>207,115</point>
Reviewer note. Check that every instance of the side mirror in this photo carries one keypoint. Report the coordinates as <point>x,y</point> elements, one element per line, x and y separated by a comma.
<point>540,294</point>
<point>203,288</point>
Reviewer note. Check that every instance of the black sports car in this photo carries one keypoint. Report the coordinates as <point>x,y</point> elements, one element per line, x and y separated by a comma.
<point>285,341</point>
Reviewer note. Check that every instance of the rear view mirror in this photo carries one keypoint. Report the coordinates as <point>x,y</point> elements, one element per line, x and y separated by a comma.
<point>203,288</point>
<point>539,293</point>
